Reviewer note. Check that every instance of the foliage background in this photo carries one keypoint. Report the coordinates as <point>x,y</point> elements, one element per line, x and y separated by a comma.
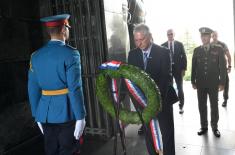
<point>189,46</point>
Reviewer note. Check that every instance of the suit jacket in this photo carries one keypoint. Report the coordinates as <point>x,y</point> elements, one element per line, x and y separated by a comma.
<point>179,56</point>
<point>159,69</point>
<point>158,65</point>
<point>56,66</point>
<point>208,67</point>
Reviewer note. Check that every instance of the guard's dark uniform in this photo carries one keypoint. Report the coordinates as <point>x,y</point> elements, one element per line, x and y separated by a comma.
<point>208,72</point>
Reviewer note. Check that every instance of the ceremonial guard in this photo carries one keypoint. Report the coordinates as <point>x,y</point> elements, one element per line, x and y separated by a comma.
<point>55,89</point>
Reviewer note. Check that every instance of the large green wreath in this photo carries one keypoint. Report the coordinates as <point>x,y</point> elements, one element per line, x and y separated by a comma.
<point>142,80</point>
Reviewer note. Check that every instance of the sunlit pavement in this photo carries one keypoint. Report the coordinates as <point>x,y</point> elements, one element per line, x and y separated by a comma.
<point>186,127</point>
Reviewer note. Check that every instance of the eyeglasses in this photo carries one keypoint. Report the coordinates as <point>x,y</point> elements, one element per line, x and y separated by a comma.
<point>170,34</point>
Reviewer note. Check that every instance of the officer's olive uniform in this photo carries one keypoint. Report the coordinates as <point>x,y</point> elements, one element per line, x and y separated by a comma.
<point>208,72</point>
<point>226,87</point>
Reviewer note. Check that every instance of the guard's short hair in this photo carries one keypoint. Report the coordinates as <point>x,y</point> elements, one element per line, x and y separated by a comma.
<point>142,28</point>
<point>54,30</point>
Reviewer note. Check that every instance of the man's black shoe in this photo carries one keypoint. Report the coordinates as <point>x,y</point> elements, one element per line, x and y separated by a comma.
<point>141,130</point>
<point>202,131</point>
<point>216,133</point>
<point>224,104</point>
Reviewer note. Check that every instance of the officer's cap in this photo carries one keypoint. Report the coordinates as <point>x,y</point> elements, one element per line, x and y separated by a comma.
<point>57,20</point>
<point>205,30</point>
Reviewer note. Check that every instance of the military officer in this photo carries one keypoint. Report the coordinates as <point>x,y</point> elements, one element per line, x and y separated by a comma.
<point>208,76</point>
<point>55,89</point>
<point>228,64</point>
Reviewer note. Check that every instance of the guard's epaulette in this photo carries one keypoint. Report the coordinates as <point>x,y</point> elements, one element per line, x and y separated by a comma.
<point>69,46</point>
<point>33,53</point>
<point>30,62</point>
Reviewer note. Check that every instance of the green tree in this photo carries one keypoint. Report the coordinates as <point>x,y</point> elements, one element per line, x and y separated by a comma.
<point>189,46</point>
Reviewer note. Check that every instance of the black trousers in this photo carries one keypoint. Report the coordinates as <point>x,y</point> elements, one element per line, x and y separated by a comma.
<point>59,138</point>
<point>177,75</point>
<point>166,122</point>
<point>226,88</point>
<point>202,94</point>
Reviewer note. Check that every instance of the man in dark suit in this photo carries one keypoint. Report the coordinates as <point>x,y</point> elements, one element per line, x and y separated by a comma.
<point>155,60</point>
<point>208,77</point>
<point>179,64</point>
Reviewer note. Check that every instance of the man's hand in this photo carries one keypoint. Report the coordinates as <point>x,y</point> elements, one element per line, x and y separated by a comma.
<point>194,86</point>
<point>221,87</point>
<point>40,127</point>
<point>79,127</point>
<point>183,73</point>
<point>229,69</point>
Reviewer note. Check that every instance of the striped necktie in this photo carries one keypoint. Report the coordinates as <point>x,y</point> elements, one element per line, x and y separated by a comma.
<point>171,52</point>
<point>145,59</point>
<point>171,47</point>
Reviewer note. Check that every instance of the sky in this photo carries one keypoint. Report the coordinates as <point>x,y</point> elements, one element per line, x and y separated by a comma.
<point>190,15</point>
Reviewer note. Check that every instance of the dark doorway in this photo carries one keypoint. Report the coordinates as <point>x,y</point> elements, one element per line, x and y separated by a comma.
<point>20,35</point>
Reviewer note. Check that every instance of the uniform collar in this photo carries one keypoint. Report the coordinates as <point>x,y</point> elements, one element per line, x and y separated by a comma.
<point>206,47</point>
<point>56,41</point>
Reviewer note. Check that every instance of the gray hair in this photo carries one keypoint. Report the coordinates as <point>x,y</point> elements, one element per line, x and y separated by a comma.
<point>142,28</point>
<point>171,30</point>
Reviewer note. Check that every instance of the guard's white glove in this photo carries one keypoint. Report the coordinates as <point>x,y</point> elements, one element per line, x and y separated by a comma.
<point>79,127</point>
<point>40,127</point>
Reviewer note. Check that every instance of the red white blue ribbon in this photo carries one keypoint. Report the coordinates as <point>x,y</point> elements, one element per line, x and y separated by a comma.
<point>156,135</point>
<point>114,65</point>
<point>142,101</point>
<point>115,90</point>
<point>154,124</point>
<point>136,92</point>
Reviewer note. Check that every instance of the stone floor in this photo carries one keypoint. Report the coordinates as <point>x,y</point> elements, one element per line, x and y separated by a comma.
<point>186,127</point>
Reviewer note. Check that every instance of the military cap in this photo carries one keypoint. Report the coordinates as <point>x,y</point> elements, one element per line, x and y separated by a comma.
<point>57,20</point>
<point>205,30</point>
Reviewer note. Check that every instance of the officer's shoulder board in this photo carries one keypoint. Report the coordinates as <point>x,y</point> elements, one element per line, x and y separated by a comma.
<point>216,45</point>
<point>71,47</point>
